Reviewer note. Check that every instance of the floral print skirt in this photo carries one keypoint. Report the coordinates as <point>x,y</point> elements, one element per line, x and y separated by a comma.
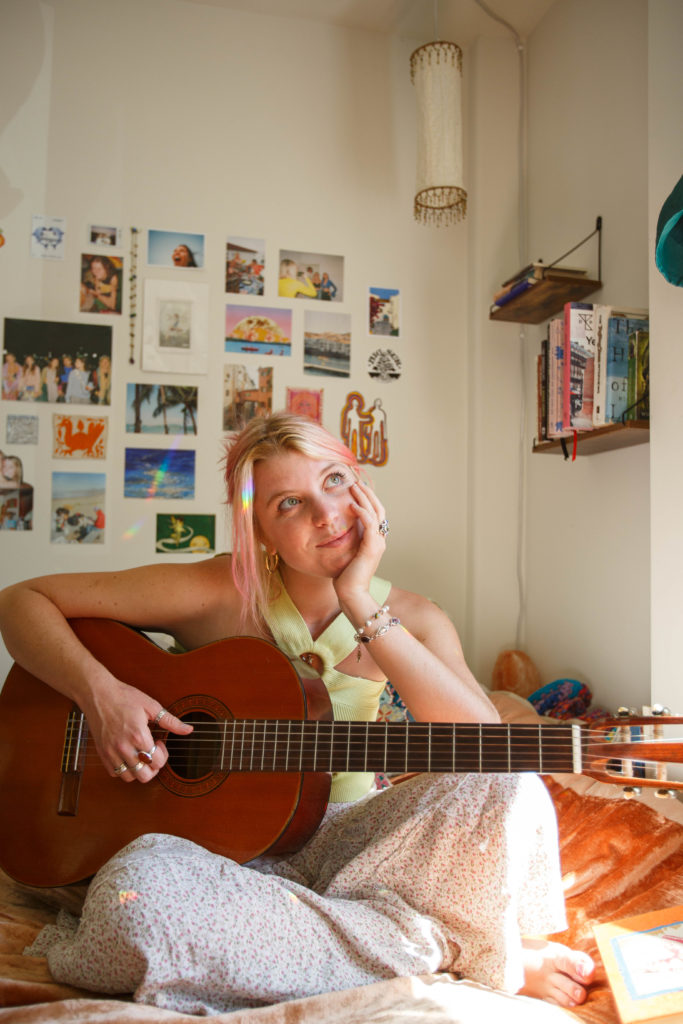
<point>439,873</point>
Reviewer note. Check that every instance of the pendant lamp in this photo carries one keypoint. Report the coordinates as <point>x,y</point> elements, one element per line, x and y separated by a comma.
<point>436,73</point>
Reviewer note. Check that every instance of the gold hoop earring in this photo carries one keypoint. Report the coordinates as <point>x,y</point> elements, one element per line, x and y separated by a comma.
<point>272,561</point>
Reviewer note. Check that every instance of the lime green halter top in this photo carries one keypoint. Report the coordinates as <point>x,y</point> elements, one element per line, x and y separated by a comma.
<point>353,698</point>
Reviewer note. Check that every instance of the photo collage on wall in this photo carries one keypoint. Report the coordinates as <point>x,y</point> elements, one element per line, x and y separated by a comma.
<point>274,308</point>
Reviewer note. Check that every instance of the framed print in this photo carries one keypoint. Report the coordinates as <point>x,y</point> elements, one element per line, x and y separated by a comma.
<point>258,329</point>
<point>101,283</point>
<point>79,437</point>
<point>47,238</point>
<point>384,312</point>
<point>175,331</point>
<point>16,493</point>
<point>247,394</point>
<point>159,473</point>
<point>305,402</point>
<point>327,343</point>
<point>175,249</point>
<point>186,534</point>
<point>104,235</point>
<point>51,361</point>
<point>161,409</point>
<point>78,508</point>
<point>311,275</point>
<point>245,263</point>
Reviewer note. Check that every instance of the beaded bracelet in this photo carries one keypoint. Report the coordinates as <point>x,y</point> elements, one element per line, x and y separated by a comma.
<point>384,610</point>
<point>361,638</point>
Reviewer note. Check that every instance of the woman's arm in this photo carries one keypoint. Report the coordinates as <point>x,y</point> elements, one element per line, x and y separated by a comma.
<point>190,601</point>
<point>306,287</point>
<point>109,298</point>
<point>424,659</point>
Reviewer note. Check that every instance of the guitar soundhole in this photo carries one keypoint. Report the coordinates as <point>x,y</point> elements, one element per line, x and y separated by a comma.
<point>199,754</point>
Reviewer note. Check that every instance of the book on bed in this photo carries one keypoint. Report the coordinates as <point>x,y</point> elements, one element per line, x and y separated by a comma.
<point>643,958</point>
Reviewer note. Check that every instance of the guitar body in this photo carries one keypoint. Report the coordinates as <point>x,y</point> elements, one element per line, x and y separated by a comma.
<point>62,819</point>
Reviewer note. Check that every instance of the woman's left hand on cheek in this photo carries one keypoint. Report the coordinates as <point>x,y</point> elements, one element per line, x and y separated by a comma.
<point>370,513</point>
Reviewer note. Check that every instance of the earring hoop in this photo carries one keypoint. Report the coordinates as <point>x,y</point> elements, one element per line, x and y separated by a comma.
<point>272,562</point>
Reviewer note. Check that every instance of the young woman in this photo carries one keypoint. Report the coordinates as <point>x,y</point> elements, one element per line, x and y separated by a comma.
<point>442,872</point>
<point>101,285</point>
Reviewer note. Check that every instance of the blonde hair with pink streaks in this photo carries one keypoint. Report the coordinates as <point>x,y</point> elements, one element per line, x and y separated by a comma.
<point>262,439</point>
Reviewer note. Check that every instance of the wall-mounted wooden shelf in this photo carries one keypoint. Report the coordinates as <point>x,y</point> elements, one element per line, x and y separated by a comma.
<point>601,439</point>
<point>546,298</point>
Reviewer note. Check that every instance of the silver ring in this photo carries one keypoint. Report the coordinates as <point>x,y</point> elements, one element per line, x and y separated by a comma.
<point>138,766</point>
<point>147,753</point>
<point>123,767</point>
<point>159,716</point>
<point>384,527</point>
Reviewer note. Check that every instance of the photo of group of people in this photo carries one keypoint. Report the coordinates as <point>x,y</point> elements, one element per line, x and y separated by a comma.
<point>78,508</point>
<point>245,263</point>
<point>50,361</point>
<point>310,275</point>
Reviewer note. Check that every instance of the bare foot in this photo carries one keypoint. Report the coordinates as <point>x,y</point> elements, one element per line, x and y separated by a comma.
<point>555,972</point>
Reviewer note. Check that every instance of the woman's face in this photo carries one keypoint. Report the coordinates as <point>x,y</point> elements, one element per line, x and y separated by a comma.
<point>304,511</point>
<point>181,256</point>
<point>98,270</point>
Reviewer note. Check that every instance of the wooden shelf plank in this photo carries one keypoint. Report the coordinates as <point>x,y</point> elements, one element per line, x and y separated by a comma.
<point>602,439</point>
<point>546,298</point>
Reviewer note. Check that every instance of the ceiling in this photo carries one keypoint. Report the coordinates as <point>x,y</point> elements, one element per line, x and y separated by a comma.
<point>458,20</point>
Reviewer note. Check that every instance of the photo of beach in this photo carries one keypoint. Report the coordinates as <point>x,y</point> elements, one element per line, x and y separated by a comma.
<point>77,508</point>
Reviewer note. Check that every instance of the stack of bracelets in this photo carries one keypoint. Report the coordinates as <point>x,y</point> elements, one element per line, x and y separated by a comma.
<point>361,637</point>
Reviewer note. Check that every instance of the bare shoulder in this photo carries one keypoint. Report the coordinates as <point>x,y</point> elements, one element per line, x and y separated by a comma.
<point>421,616</point>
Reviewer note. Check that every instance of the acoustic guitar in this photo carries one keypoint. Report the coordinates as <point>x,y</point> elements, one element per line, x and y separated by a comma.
<point>254,775</point>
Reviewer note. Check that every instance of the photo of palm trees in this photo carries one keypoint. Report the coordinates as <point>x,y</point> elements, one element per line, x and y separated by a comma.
<point>161,409</point>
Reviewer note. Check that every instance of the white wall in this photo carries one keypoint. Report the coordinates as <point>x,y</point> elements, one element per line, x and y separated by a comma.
<point>587,585</point>
<point>163,114</point>
<point>665,155</point>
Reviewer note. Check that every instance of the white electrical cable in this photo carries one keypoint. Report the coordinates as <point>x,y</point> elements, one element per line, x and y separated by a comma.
<point>522,256</point>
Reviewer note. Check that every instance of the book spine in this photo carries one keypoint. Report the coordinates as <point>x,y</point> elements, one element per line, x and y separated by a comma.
<point>638,398</point>
<point>602,314</point>
<point>556,378</point>
<point>544,390</point>
<point>616,379</point>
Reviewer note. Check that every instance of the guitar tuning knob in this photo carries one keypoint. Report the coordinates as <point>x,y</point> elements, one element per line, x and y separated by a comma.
<point>628,792</point>
<point>623,712</point>
<point>660,709</point>
<point>664,794</point>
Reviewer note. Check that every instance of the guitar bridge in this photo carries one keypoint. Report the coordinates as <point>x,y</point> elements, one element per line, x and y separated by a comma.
<point>73,758</point>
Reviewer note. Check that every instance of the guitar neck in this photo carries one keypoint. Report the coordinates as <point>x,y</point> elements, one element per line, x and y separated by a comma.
<point>337,746</point>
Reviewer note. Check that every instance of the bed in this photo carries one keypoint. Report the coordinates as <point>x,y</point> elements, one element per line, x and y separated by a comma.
<point>618,858</point>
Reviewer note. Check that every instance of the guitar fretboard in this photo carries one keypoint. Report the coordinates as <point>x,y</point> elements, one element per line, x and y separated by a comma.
<point>286,746</point>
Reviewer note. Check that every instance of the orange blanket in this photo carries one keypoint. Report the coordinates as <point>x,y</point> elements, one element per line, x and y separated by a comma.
<point>618,858</point>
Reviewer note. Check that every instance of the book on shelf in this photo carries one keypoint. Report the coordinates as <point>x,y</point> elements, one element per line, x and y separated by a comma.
<point>602,315</point>
<point>526,278</point>
<point>506,295</point>
<point>542,388</point>
<point>538,270</point>
<point>638,391</point>
<point>555,426</point>
<point>643,960</point>
<point>593,370</point>
<point>621,324</point>
<point>579,366</point>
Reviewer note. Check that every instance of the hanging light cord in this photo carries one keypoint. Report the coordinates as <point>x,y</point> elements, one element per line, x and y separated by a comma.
<point>522,251</point>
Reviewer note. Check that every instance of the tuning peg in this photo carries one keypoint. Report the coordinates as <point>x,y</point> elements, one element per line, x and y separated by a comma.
<point>623,712</point>
<point>660,709</point>
<point>664,794</point>
<point>628,792</point>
